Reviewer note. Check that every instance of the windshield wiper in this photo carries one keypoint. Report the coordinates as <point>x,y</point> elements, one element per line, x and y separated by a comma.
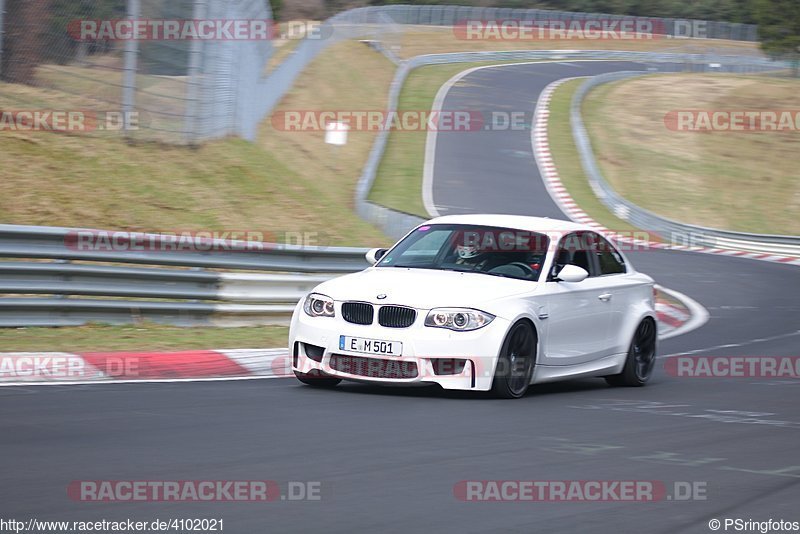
<point>501,275</point>
<point>432,268</point>
<point>406,266</point>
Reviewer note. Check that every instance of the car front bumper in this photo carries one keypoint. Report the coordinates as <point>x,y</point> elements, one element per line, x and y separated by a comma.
<point>454,360</point>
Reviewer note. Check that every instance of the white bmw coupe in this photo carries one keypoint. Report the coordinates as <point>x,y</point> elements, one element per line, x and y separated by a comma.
<point>481,302</point>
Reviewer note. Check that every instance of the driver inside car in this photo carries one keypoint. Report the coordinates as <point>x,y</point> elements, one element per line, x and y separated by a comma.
<point>520,262</point>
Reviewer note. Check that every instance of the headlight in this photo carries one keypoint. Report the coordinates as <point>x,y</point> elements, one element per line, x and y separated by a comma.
<point>317,305</point>
<point>458,319</point>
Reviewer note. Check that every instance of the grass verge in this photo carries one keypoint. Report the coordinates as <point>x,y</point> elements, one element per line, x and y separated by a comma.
<point>567,161</point>
<point>418,40</point>
<point>742,181</point>
<point>144,337</point>
<point>398,183</point>
<point>287,182</point>
<point>349,76</point>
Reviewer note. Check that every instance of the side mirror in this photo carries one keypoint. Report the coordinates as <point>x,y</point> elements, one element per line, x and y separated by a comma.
<point>572,273</point>
<point>374,255</point>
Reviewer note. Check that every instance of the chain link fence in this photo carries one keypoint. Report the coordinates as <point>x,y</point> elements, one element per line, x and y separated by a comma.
<point>438,15</point>
<point>176,88</point>
<point>160,84</point>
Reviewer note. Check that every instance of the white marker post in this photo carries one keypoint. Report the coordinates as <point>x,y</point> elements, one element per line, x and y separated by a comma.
<point>336,135</point>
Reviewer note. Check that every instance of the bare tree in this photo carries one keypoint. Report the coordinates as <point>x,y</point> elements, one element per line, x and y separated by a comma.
<point>26,26</point>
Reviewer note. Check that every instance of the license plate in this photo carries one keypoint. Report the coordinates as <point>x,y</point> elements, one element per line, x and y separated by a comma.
<point>370,346</point>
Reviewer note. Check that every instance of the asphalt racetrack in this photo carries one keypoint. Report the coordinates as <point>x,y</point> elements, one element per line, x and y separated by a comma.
<point>388,459</point>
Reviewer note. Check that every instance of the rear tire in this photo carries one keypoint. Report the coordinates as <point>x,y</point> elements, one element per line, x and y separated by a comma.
<point>319,380</point>
<point>512,376</point>
<point>641,357</point>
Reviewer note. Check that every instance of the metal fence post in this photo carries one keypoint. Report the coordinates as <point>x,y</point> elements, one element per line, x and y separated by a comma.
<point>2,30</point>
<point>129,69</point>
<point>193,76</point>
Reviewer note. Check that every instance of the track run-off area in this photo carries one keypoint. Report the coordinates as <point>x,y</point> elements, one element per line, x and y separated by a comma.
<point>394,459</point>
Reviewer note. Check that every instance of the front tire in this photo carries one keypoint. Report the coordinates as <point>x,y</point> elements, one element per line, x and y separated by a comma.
<point>641,357</point>
<point>512,376</point>
<point>318,380</point>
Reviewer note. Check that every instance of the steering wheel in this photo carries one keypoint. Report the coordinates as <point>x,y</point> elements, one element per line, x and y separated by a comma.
<point>529,271</point>
<point>525,267</point>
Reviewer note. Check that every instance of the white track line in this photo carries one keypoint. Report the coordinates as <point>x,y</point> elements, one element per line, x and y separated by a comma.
<point>262,363</point>
<point>733,345</point>
<point>430,140</point>
<point>562,198</point>
<point>144,381</point>
<point>699,315</point>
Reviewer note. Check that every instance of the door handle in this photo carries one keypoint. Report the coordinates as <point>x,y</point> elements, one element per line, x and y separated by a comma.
<point>605,297</point>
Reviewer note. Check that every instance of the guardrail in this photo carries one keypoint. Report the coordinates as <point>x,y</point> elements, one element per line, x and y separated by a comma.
<point>191,292</point>
<point>79,293</point>
<point>395,223</point>
<point>671,231</point>
<point>449,15</point>
<point>129,247</point>
<point>373,22</point>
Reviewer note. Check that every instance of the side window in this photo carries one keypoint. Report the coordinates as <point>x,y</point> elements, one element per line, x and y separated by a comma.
<point>608,257</point>
<point>575,249</point>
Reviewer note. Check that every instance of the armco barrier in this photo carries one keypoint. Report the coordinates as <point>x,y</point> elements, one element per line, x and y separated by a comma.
<point>76,293</point>
<point>669,230</point>
<point>93,290</point>
<point>191,92</point>
<point>62,243</point>
<point>372,23</point>
<point>79,293</point>
<point>396,224</point>
<point>197,295</point>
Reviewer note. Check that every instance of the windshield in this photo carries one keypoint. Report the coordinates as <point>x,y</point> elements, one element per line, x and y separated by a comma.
<point>486,250</point>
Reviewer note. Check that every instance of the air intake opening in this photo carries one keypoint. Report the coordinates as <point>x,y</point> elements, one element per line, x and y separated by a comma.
<point>373,367</point>
<point>448,366</point>
<point>314,352</point>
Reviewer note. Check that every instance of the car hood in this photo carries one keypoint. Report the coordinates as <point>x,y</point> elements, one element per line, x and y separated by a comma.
<point>423,288</point>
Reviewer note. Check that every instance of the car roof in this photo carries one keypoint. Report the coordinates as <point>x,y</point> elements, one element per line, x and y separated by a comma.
<point>516,222</point>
